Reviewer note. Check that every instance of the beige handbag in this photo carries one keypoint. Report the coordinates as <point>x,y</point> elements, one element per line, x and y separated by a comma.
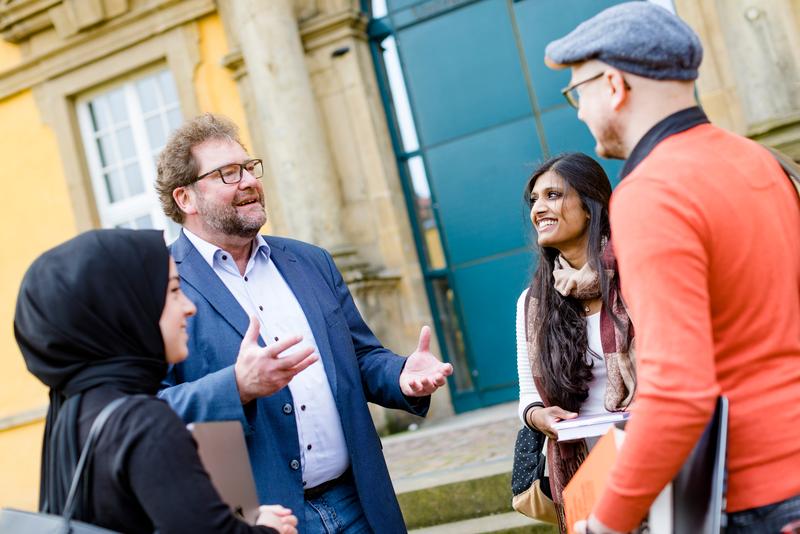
<point>528,475</point>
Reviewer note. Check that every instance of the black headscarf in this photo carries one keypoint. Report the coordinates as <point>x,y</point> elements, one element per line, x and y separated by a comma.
<point>87,314</point>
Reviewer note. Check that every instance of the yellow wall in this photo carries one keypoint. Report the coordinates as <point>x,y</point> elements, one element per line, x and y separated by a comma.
<point>214,85</point>
<point>35,214</point>
<point>19,466</point>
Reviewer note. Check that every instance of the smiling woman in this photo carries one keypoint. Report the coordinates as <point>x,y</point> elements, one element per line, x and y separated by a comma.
<point>566,367</point>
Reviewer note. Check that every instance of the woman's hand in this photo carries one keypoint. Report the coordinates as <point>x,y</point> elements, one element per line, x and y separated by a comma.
<point>543,419</point>
<point>277,517</point>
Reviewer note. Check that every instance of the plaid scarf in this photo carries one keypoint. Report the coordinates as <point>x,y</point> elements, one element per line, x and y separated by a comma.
<point>616,334</point>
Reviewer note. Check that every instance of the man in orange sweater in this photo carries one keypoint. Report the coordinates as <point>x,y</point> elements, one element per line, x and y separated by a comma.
<point>706,227</point>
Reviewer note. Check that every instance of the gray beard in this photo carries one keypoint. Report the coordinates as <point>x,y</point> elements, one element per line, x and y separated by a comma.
<point>225,219</point>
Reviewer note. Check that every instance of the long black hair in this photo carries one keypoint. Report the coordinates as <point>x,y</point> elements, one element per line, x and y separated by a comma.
<point>559,321</point>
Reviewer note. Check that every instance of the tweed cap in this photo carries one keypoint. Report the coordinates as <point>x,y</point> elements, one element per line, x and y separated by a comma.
<point>637,37</point>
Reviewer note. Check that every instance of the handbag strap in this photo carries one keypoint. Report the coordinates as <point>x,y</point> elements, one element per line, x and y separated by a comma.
<point>88,447</point>
<point>791,168</point>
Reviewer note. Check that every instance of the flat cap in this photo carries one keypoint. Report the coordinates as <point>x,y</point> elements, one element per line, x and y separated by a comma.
<point>637,37</point>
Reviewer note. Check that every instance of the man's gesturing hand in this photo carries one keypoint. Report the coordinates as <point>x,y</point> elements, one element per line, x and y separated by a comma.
<point>423,373</point>
<point>260,371</point>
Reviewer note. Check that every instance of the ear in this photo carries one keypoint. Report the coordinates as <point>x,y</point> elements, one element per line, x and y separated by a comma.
<point>186,199</point>
<point>618,86</point>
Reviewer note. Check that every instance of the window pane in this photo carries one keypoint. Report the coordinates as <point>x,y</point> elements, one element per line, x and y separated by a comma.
<point>147,91</point>
<point>116,102</point>
<point>167,86</point>
<point>155,132</point>
<point>402,105</point>
<point>127,149</point>
<point>98,121</point>
<point>175,118</point>
<point>453,336</point>
<point>134,179</point>
<point>104,150</point>
<point>172,231</point>
<point>144,222</point>
<point>124,129</point>
<point>116,191</point>
<point>424,207</point>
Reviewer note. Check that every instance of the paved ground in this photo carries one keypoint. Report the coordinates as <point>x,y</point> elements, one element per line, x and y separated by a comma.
<point>473,445</point>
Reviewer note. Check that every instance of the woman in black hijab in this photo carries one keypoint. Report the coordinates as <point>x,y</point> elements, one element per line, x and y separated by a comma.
<point>97,318</point>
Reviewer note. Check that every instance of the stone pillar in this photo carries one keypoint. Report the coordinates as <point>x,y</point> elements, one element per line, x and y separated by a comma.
<point>762,43</point>
<point>302,186</point>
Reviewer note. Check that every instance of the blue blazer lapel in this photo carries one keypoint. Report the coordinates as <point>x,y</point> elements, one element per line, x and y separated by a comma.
<point>196,272</point>
<point>301,285</point>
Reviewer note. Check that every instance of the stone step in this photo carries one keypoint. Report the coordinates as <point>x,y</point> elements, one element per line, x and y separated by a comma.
<point>456,501</point>
<point>508,523</point>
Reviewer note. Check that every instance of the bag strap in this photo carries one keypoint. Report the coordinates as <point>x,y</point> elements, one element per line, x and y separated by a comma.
<point>88,447</point>
<point>791,168</point>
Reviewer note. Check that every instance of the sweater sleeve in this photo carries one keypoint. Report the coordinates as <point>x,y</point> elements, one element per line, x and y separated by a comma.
<point>168,480</point>
<point>660,238</point>
<point>527,388</point>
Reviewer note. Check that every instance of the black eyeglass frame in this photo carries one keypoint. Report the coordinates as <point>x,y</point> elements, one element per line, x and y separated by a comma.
<point>574,101</point>
<point>218,170</point>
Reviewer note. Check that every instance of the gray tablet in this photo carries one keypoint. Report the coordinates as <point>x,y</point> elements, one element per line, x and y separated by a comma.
<point>224,455</point>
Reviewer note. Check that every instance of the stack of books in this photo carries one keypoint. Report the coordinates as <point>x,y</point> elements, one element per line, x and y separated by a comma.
<point>588,426</point>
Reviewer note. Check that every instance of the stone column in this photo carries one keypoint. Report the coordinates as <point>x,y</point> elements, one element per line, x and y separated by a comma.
<point>762,45</point>
<point>298,163</point>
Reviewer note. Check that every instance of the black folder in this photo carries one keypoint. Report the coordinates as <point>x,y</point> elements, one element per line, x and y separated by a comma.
<point>698,491</point>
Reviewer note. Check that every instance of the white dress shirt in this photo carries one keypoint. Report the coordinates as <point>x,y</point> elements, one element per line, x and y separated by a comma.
<point>263,292</point>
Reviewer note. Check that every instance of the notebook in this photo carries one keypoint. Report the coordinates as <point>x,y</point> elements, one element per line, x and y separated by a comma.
<point>223,452</point>
<point>588,426</point>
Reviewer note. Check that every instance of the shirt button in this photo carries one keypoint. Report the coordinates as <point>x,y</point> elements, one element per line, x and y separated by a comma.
<point>287,408</point>
<point>303,407</point>
<point>308,447</point>
<point>276,338</point>
<point>245,279</point>
<point>294,464</point>
<point>261,308</point>
<point>224,257</point>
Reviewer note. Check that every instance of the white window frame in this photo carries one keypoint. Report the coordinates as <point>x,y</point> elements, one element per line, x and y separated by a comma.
<point>146,203</point>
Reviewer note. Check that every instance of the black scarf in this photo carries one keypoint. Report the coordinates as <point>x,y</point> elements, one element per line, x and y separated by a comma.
<point>87,314</point>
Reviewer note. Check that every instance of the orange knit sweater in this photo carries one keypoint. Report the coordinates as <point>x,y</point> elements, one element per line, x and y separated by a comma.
<point>707,235</point>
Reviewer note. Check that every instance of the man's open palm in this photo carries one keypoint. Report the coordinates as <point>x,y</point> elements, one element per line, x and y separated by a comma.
<point>423,373</point>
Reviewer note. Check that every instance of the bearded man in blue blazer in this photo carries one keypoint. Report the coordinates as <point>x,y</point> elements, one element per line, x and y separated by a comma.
<point>278,344</point>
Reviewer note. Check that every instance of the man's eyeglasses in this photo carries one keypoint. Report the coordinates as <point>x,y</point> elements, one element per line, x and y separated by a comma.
<point>571,91</point>
<point>233,172</point>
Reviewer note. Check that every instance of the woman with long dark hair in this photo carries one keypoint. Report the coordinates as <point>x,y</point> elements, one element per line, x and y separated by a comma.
<point>574,337</point>
<point>98,318</point>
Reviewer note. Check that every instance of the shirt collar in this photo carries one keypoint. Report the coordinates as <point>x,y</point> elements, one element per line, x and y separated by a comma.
<point>209,251</point>
<point>675,123</point>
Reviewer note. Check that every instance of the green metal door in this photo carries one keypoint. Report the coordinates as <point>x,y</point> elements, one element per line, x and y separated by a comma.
<point>473,110</point>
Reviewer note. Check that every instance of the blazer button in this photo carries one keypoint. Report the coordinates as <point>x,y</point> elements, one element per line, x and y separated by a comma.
<point>294,464</point>
<point>287,408</point>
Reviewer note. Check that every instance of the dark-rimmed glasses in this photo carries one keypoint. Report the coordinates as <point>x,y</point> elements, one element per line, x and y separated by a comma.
<point>570,92</point>
<point>232,173</point>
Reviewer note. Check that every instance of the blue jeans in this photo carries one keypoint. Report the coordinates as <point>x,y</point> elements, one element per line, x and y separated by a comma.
<point>337,511</point>
<point>769,519</point>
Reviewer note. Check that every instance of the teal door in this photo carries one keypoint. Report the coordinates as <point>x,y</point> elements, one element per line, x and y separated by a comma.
<point>474,109</point>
